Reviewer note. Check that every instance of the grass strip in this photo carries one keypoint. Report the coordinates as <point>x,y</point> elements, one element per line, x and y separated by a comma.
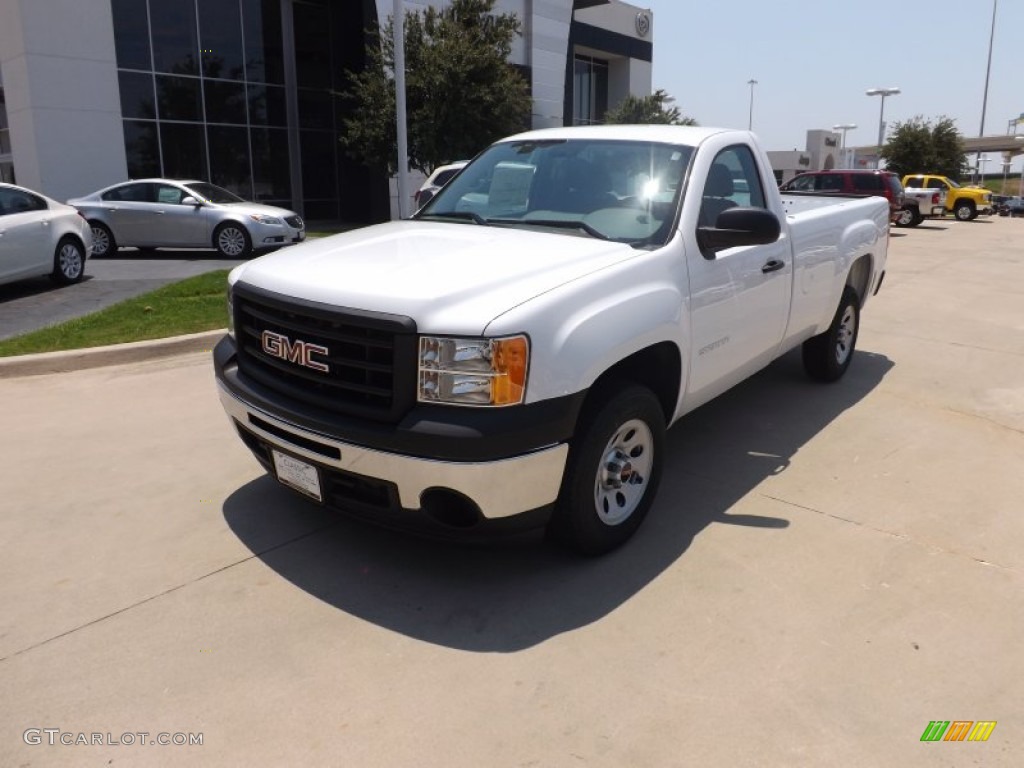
<point>188,306</point>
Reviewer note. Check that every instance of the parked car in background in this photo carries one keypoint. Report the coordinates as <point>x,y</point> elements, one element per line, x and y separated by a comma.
<point>1013,206</point>
<point>966,203</point>
<point>920,204</point>
<point>40,236</point>
<point>166,213</point>
<point>441,176</point>
<point>851,182</point>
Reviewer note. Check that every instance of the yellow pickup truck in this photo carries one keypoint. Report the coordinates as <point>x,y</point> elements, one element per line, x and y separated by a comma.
<point>966,203</point>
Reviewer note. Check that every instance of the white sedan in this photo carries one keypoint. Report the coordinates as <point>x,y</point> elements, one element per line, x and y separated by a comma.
<point>39,236</point>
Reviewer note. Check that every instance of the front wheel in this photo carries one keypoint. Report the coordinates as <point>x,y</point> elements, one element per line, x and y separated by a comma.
<point>232,241</point>
<point>612,474</point>
<point>965,211</point>
<point>68,262</point>
<point>828,355</point>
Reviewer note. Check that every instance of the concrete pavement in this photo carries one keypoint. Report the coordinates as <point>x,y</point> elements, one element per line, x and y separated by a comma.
<point>826,570</point>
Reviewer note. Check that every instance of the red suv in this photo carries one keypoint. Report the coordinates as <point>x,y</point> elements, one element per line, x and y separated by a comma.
<point>849,182</point>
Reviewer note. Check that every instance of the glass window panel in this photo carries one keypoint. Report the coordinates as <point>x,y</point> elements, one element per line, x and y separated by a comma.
<point>264,50</point>
<point>225,102</point>
<point>312,46</point>
<point>229,159</point>
<point>318,174</point>
<point>315,110</point>
<point>142,149</point>
<point>136,94</point>
<point>220,33</point>
<point>179,98</point>
<point>131,34</point>
<point>267,105</point>
<point>184,149</point>
<point>175,38</point>
<point>321,210</point>
<point>271,178</point>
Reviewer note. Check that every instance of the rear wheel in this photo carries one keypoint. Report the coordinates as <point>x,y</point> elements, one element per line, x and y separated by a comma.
<point>828,355</point>
<point>612,474</point>
<point>906,216</point>
<point>103,242</point>
<point>68,262</point>
<point>965,210</point>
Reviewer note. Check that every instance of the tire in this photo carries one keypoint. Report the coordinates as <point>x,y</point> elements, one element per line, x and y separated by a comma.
<point>907,217</point>
<point>232,241</point>
<point>103,242</point>
<point>612,473</point>
<point>828,355</point>
<point>965,210</point>
<point>68,262</point>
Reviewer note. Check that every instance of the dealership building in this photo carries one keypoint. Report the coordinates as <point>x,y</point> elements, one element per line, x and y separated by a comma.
<point>245,92</point>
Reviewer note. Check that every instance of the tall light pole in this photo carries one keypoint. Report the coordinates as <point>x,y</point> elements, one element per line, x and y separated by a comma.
<point>398,21</point>
<point>883,92</point>
<point>844,127</point>
<point>750,118</point>
<point>988,70</point>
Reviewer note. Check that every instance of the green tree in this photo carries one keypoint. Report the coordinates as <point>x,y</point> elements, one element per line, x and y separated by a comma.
<point>461,92</point>
<point>647,109</point>
<point>919,146</point>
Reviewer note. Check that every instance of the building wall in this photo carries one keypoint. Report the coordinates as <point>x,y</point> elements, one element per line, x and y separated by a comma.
<point>60,82</point>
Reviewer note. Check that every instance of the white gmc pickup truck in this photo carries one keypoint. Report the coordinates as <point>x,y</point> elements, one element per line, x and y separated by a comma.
<point>513,354</point>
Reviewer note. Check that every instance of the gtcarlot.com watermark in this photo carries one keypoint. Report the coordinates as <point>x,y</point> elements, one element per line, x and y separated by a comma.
<point>57,737</point>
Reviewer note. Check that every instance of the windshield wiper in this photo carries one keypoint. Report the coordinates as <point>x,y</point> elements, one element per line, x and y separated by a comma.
<point>558,223</point>
<point>476,218</point>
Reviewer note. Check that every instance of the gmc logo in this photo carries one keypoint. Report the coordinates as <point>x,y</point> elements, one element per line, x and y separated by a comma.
<point>298,351</point>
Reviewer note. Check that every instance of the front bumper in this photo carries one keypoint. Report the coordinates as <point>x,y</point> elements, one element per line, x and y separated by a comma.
<point>274,235</point>
<point>363,472</point>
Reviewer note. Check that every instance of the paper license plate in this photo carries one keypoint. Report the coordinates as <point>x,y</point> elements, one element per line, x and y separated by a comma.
<point>297,474</point>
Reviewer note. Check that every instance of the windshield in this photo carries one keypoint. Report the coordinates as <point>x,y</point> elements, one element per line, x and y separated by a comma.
<point>626,191</point>
<point>213,194</point>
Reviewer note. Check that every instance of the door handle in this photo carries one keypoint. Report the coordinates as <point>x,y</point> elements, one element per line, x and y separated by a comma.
<point>159,213</point>
<point>772,265</point>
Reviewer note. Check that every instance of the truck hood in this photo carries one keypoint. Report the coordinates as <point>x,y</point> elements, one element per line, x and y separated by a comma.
<point>449,277</point>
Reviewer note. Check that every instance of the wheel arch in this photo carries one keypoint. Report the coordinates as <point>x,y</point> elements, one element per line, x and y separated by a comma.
<point>859,276</point>
<point>658,367</point>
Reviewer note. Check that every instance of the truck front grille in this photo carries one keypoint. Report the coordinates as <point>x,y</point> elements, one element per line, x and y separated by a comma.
<point>342,360</point>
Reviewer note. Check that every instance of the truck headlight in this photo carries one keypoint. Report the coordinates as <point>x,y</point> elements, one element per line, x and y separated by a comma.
<point>473,371</point>
<point>231,315</point>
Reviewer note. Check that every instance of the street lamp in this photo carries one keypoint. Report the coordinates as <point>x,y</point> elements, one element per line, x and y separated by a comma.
<point>883,92</point>
<point>750,119</point>
<point>844,127</point>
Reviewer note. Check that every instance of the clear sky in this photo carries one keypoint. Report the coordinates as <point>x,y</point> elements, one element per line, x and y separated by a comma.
<point>813,60</point>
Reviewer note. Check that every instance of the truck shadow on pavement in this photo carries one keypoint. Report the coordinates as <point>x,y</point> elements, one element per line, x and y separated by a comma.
<point>512,595</point>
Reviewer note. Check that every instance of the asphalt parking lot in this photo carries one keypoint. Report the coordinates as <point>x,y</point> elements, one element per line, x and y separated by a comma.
<point>827,569</point>
<point>32,304</point>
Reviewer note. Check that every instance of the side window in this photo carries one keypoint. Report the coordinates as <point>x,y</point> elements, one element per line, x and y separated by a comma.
<point>130,193</point>
<point>830,182</point>
<point>914,183</point>
<point>803,183</point>
<point>936,184</point>
<point>732,181</point>
<point>17,201</point>
<point>867,182</point>
<point>168,194</point>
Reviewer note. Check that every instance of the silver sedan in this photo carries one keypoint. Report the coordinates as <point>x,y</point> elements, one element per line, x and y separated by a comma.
<point>39,236</point>
<point>166,213</point>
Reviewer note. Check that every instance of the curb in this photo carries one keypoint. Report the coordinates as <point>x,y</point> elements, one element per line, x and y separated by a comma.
<point>115,354</point>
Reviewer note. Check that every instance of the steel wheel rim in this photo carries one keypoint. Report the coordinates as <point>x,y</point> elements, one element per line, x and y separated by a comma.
<point>624,472</point>
<point>845,333</point>
<point>231,240</point>
<point>904,218</point>
<point>70,261</point>
<point>100,241</point>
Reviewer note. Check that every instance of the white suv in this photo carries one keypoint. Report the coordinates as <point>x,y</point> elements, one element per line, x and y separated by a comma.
<point>441,176</point>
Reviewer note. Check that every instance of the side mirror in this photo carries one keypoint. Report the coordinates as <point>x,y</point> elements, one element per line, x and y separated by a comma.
<point>735,227</point>
<point>189,200</point>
